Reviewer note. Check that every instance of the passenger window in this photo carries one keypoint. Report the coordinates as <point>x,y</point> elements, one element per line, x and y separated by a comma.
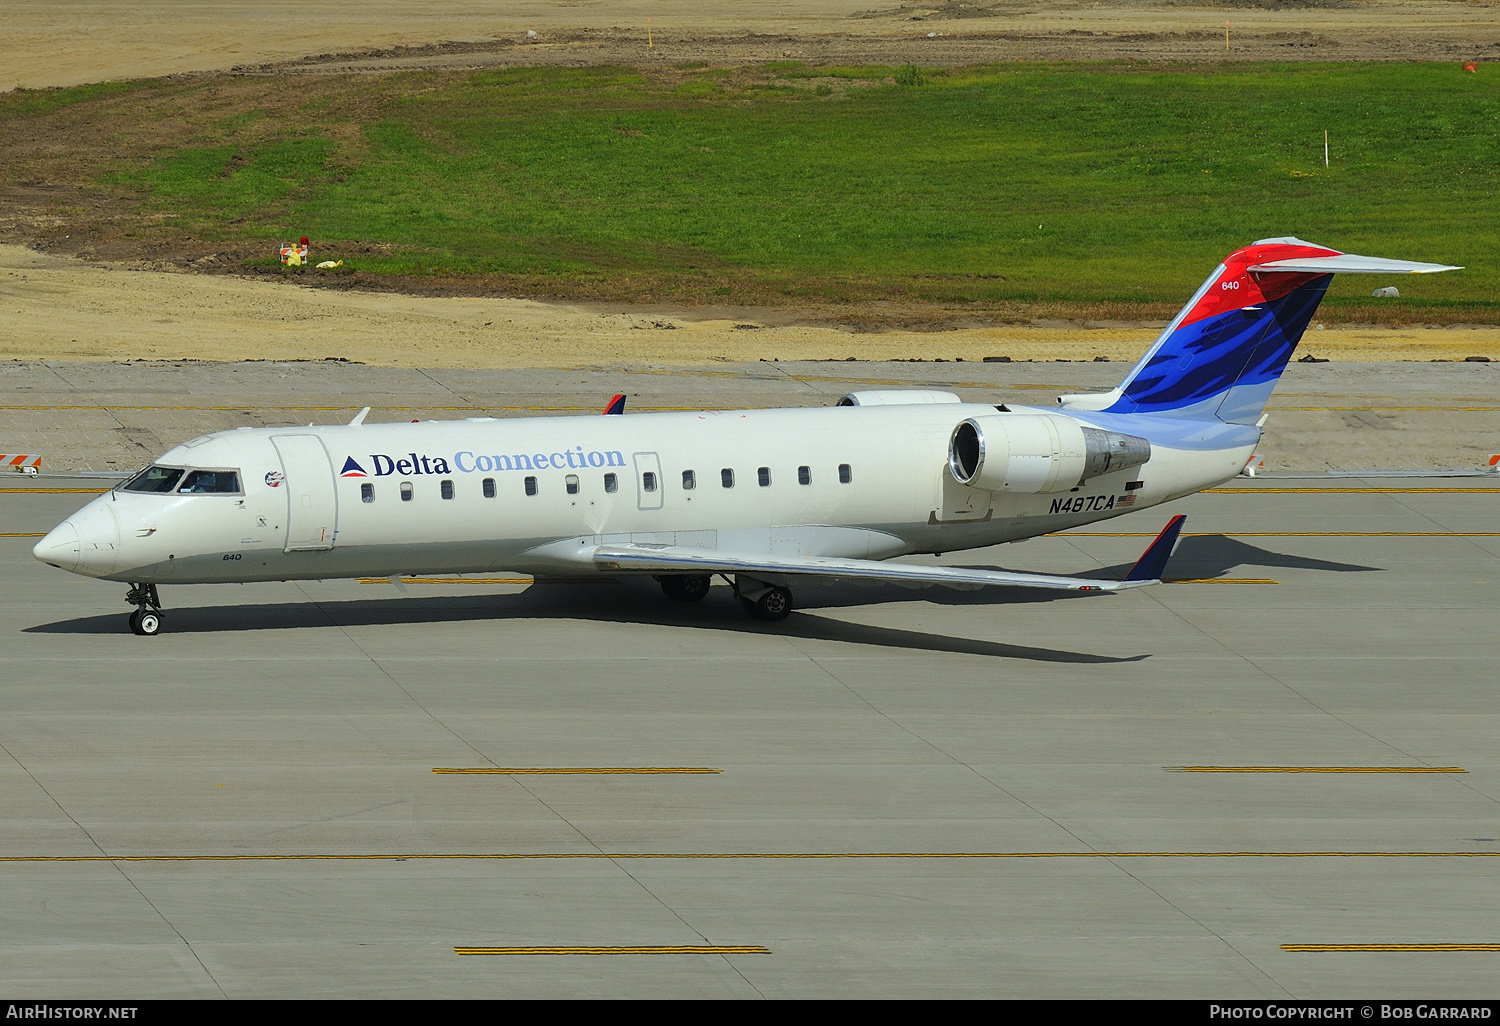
<point>764,473</point>
<point>804,475</point>
<point>446,487</point>
<point>405,491</point>
<point>611,483</point>
<point>206,482</point>
<point>531,486</point>
<point>689,480</point>
<point>489,488</point>
<point>648,481</point>
<point>366,492</point>
<point>572,482</point>
<point>154,479</point>
<point>726,477</point>
<point>845,474</point>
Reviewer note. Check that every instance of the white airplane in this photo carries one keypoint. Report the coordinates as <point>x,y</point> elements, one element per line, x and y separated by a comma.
<point>765,498</point>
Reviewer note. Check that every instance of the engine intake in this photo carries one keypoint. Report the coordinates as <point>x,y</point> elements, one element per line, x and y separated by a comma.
<point>1034,453</point>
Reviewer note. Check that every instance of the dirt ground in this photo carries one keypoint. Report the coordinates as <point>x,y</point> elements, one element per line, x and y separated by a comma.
<point>54,308</point>
<point>47,43</point>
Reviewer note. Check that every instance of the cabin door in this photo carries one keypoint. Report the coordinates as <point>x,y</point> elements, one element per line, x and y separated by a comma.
<point>648,483</point>
<point>312,503</point>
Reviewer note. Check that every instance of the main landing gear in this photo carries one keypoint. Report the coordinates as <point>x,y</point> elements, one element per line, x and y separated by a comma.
<point>763,601</point>
<point>769,602</point>
<point>685,587</point>
<point>146,620</point>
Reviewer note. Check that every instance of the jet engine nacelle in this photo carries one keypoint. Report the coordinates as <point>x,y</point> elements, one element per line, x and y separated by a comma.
<point>1032,453</point>
<point>898,397</point>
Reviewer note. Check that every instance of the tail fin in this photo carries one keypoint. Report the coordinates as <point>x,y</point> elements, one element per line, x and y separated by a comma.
<point>1222,354</point>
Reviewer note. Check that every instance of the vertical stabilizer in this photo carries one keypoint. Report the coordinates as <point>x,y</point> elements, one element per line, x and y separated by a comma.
<point>1220,357</point>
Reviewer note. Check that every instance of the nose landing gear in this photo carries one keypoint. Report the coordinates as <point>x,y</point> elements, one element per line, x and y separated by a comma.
<point>146,620</point>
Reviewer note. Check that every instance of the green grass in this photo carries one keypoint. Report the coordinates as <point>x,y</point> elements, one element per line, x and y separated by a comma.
<point>1092,184</point>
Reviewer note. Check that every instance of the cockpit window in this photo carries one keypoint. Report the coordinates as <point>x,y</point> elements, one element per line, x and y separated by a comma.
<point>154,479</point>
<point>217,482</point>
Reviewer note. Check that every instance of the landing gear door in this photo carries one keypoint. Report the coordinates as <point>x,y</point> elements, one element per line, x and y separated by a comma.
<point>312,503</point>
<point>649,488</point>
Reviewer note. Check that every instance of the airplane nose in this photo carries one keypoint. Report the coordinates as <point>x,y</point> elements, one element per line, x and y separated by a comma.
<point>60,548</point>
<point>88,542</point>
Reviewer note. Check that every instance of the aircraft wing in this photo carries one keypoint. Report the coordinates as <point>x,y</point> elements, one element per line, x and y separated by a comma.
<point>672,559</point>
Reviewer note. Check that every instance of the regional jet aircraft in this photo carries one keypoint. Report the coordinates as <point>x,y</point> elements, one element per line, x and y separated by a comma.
<point>764,498</point>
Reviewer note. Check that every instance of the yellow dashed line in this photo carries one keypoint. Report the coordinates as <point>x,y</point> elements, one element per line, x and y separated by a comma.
<point>751,855</point>
<point>1315,769</point>
<point>541,770</point>
<point>1281,534</point>
<point>625,949</point>
<point>1390,947</point>
<point>341,409</point>
<point>1350,491</point>
<point>1219,580</point>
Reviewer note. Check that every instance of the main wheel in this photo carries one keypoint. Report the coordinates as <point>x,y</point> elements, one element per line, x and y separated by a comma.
<point>147,622</point>
<point>685,587</point>
<point>135,622</point>
<point>773,606</point>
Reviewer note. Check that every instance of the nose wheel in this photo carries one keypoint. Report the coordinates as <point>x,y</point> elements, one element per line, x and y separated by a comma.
<point>146,620</point>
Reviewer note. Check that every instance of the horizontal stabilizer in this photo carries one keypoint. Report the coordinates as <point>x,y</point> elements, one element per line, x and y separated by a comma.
<point>672,559</point>
<point>1348,263</point>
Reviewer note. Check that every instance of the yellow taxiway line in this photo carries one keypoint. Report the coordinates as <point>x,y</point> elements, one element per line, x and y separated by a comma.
<point>1281,534</point>
<point>1315,769</point>
<point>754,856</point>
<point>516,771</point>
<point>1390,947</point>
<point>623,949</point>
<point>1350,491</point>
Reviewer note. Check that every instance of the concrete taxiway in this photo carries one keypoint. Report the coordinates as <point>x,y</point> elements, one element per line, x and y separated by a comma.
<point>895,793</point>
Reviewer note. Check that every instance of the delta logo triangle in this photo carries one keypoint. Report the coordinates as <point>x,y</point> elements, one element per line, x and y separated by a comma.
<point>352,469</point>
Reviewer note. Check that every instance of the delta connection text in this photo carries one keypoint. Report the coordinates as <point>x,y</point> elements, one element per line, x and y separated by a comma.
<point>1411,1010</point>
<point>467,462</point>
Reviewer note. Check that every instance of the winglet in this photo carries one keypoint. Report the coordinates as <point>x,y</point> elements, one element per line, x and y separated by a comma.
<point>1153,561</point>
<point>359,418</point>
<point>616,405</point>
